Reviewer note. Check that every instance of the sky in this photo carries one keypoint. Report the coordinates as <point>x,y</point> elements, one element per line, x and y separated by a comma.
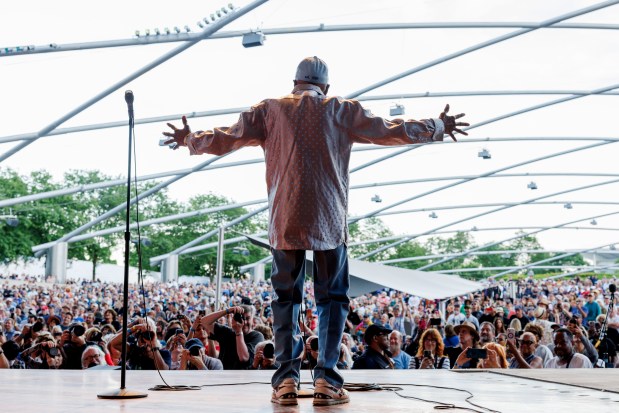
<point>40,89</point>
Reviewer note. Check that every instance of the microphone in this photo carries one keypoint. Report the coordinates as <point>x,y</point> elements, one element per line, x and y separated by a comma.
<point>612,288</point>
<point>129,100</point>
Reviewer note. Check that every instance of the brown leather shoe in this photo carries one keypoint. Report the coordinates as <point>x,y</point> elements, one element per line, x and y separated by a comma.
<point>286,393</point>
<point>327,395</point>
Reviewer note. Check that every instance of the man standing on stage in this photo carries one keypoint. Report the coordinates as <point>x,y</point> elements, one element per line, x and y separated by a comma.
<point>307,138</point>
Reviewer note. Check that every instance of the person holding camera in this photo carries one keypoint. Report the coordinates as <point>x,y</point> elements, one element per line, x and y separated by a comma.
<point>45,353</point>
<point>430,353</point>
<point>73,344</point>
<point>524,357</point>
<point>144,352</point>
<point>265,356</point>
<point>376,354</point>
<point>193,357</point>
<point>465,355</point>
<point>237,343</point>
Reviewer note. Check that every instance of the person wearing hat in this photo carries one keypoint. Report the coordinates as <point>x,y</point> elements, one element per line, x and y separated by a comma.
<point>469,338</point>
<point>307,139</point>
<point>194,357</point>
<point>376,354</point>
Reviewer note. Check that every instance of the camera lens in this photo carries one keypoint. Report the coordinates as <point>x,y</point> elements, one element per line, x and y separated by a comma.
<point>53,351</point>
<point>268,351</point>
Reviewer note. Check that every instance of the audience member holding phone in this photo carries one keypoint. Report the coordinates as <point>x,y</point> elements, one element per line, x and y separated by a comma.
<point>430,353</point>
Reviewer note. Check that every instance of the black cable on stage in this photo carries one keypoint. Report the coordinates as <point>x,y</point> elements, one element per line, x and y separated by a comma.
<point>139,251</point>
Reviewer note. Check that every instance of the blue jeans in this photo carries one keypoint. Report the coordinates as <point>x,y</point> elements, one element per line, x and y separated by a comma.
<point>331,283</point>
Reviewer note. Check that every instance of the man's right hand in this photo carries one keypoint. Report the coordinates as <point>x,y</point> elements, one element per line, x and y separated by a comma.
<point>178,136</point>
<point>450,123</point>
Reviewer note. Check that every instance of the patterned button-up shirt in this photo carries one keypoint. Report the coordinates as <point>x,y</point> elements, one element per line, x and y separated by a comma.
<point>307,138</point>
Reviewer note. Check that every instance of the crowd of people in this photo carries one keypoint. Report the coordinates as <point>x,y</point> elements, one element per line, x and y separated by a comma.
<point>510,324</point>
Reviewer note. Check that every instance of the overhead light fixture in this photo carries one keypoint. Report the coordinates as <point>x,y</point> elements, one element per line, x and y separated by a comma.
<point>612,247</point>
<point>187,29</point>
<point>377,199</point>
<point>200,24</point>
<point>532,185</point>
<point>157,31</point>
<point>593,222</point>
<point>253,39</point>
<point>137,33</point>
<point>147,32</point>
<point>166,30</point>
<point>567,205</point>
<point>397,110</point>
<point>484,154</point>
<point>474,228</point>
<point>177,30</point>
<point>145,242</point>
<point>10,219</point>
<point>433,215</point>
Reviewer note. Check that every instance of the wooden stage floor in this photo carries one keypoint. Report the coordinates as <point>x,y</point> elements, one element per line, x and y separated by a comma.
<point>521,391</point>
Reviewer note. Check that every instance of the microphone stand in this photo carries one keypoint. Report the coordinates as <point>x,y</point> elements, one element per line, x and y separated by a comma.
<point>604,329</point>
<point>124,393</point>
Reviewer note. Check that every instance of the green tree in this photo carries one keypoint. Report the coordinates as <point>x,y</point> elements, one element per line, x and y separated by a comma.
<point>372,228</point>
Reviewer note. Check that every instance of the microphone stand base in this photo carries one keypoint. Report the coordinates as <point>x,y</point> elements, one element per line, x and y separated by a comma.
<point>122,394</point>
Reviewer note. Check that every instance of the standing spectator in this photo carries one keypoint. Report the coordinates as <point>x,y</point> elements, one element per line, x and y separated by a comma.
<point>237,343</point>
<point>592,308</point>
<point>457,317</point>
<point>519,315</point>
<point>468,316</point>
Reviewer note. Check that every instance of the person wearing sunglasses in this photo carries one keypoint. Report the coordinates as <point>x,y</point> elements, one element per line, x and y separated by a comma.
<point>524,356</point>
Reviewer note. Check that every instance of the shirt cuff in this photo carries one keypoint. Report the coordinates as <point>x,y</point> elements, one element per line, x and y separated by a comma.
<point>439,129</point>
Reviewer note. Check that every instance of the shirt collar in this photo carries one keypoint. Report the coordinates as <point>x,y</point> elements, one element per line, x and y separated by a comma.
<point>299,89</point>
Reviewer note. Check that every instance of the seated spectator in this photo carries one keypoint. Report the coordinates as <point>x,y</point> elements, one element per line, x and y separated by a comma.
<point>93,356</point>
<point>401,360</point>
<point>376,354</point>
<point>430,353</point>
<point>469,338</point>
<point>144,352</point>
<point>566,357</point>
<point>495,357</point>
<point>194,357</point>
<point>524,357</point>
<point>345,360</point>
<point>541,350</point>
<point>265,330</point>
<point>9,328</point>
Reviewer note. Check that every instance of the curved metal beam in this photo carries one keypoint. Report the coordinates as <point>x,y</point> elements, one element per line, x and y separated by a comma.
<point>229,111</point>
<point>482,45</point>
<point>321,28</point>
<point>208,31</point>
